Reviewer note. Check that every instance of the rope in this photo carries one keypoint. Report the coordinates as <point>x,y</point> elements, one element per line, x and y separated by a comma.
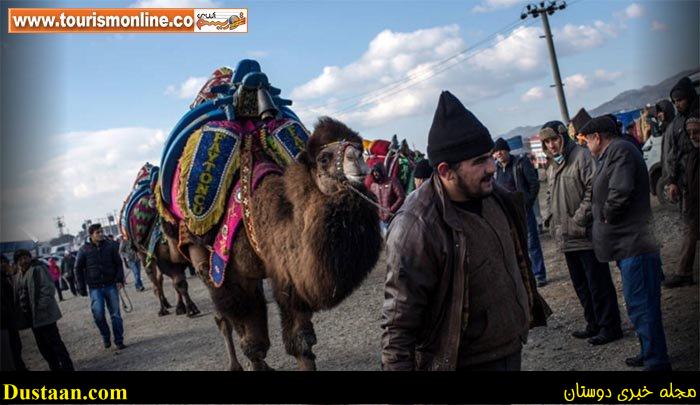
<point>369,200</point>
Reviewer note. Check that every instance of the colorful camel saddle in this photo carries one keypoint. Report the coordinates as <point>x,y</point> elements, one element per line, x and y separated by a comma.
<point>139,211</point>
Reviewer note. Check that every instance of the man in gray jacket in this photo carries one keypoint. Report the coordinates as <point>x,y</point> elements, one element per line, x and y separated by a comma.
<point>36,291</point>
<point>568,215</point>
<point>622,233</point>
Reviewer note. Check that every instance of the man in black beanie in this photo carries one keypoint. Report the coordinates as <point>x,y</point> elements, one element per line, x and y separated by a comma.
<point>685,99</point>
<point>421,172</point>
<point>517,174</point>
<point>457,223</point>
<point>622,233</point>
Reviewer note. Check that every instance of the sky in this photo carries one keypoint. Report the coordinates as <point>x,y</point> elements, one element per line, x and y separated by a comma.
<point>83,112</point>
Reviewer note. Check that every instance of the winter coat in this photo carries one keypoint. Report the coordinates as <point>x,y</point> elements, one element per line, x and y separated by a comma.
<point>666,129</point>
<point>67,266</point>
<point>568,206</point>
<point>99,266</point>
<point>525,175</point>
<point>390,195</point>
<point>40,291</point>
<point>54,271</point>
<point>680,145</point>
<point>621,207</point>
<point>427,275</point>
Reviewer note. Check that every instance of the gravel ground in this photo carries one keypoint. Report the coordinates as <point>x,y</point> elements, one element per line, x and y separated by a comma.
<point>349,335</point>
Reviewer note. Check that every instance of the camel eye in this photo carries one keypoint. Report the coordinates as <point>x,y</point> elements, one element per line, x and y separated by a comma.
<point>324,159</point>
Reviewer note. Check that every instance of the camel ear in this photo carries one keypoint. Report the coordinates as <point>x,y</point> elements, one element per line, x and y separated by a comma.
<point>305,159</point>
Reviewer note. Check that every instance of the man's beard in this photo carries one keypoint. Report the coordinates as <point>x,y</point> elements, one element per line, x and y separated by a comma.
<point>474,194</point>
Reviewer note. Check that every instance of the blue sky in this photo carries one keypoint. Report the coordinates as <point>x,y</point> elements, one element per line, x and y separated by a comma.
<point>114,98</point>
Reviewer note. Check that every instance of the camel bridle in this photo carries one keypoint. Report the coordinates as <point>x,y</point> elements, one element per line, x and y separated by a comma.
<point>338,158</point>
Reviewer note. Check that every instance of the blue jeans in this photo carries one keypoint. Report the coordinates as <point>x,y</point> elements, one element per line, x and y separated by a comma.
<point>641,286</point>
<point>534,248</point>
<point>110,296</point>
<point>136,270</point>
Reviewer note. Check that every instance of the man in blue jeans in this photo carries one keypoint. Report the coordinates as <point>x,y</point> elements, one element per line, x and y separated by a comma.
<point>622,233</point>
<point>517,174</point>
<point>99,266</point>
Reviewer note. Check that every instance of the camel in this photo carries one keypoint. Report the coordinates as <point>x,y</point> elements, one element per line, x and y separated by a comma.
<point>313,232</point>
<point>138,233</point>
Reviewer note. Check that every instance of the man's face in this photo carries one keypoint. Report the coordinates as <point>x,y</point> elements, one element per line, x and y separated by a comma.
<point>23,262</point>
<point>681,104</point>
<point>693,131</point>
<point>472,179</point>
<point>661,116</point>
<point>97,236</point>
<point>501,156</point>
<point>554,145</point>
<point>594,142</point>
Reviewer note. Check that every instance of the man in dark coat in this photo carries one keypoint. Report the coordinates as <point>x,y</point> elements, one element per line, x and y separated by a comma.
<point>100,268</point>
<point>388,191</point>
<point>517,174</point>
<point>665,113</point>
<point>459,293</point>
<point>622,233</point>
<point>67,266</point>
<point>568,214</point>
<point>35,292</point>
<point>11,320</point>
<point>686,101</point>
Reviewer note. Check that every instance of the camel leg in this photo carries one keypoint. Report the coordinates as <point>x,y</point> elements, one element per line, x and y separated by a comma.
<point>199,256</point>
<point>156,278</point>
<point>297,329</point>
<point>180,284</point>
<point>251,326</point>
<point>226,330</point>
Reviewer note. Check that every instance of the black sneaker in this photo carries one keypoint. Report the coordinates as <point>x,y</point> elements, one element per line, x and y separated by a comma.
<point>678,281</point>
<point>121,346</point>
<point>541,283</point>
<point>584,334</point>
<point>605,338</point>
<point>636,361</point>
<point>107,345</point>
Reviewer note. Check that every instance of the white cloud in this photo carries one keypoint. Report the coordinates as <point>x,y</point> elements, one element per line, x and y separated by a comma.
<point>634,10</point>
<point>658,26</point>
<point>362,93</point>
<point>187,89</point>
<point>176,4</point>
<point>89,179</point>
<point>534,94</point>
<point>492,5</point>
<point>600,78</point>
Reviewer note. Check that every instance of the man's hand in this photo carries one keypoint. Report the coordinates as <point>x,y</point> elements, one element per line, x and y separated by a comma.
<point>672,192</point>
<point>120,286</point>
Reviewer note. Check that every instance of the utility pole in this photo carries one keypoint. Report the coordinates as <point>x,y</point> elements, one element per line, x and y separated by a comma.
<point>545,9</point>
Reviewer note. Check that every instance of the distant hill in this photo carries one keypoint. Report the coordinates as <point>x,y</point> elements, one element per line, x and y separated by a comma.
<point>627,100</point>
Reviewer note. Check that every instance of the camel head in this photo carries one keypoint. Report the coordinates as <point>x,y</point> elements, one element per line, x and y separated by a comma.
<point>334,155</point>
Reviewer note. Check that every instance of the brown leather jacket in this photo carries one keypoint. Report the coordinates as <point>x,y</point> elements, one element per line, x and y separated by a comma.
<point>390,195</point>
<point>425,284</point>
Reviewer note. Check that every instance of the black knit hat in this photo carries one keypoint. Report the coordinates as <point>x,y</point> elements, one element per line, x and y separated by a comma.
<point>423,170</point>
<point>501,144</point>
<point>456,134</point>
<point>601,125</point>
<point>684,89</point>
<point>580,119</point>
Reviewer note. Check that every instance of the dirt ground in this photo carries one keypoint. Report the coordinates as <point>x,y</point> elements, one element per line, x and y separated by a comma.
<point>349,335</point>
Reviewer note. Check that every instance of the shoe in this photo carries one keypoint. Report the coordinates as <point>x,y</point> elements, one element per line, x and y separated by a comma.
<point>541,283</point>
<point>121,346</point>
<point>636,361</point>
<point>678,281</point>
<point>584,334</point>
<point>604,338</point>
<point>142,288</point>
<point>108,345</point>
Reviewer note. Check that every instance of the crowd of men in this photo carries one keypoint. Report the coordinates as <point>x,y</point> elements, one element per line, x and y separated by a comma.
<point>463,254</point>
<point>464,259</point>
<point>28,302</point>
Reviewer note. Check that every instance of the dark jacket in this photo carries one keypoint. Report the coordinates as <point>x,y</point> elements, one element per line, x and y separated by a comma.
<point>99,265</point>
<point>426,281</point>
<point>525,175</point>
<point>680,145</point>
<point>666,128</point>
<point>38,295</point>
<point>390,195</point>
<point>67,266</point>
<point>568,206</point>
<point>621,208</point>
